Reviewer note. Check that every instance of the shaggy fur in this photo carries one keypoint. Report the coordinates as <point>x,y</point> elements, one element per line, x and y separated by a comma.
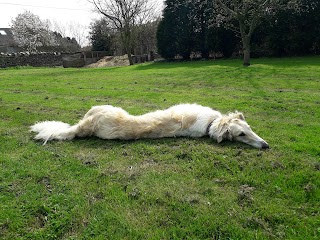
<point>190,120</point>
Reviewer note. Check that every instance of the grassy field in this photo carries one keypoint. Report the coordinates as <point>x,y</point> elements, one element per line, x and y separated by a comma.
<point>178,188</point>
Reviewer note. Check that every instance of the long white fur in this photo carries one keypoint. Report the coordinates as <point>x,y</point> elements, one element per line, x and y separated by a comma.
<point>109,122</point>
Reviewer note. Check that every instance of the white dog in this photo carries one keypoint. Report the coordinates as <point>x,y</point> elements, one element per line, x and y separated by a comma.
<point>190,120</point>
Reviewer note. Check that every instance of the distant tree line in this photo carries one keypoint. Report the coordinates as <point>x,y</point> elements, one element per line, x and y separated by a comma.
<point>278,28</point>
<point>289,32</point>
<point>127,23</point>
<point>189,27</point>
<point>206,28</point>
<point>104,37</point>
<point>202,28</point>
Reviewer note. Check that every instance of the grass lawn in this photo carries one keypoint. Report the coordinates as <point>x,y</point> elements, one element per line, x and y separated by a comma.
<point>180,188</point>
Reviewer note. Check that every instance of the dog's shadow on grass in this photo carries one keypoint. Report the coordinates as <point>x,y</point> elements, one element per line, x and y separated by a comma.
<point>183,142</point>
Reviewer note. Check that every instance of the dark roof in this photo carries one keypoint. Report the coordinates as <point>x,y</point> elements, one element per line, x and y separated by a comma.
<point>6,37</point>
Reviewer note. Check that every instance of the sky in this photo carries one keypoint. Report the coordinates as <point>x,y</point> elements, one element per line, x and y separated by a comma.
<point>63,12</point>
<point>59,10</point>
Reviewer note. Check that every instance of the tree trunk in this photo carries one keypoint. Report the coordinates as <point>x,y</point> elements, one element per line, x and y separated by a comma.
<point>126,39</point>
<point>246,55</point>
<point>130,58</point>
<point>246,49</point>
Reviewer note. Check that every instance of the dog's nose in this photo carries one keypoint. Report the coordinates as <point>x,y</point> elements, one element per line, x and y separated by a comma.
<point>264,145</point>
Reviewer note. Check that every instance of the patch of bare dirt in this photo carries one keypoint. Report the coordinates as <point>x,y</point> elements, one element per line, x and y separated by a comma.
<point>110,61</point>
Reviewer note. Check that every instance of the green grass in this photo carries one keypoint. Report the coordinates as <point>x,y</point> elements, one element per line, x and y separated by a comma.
<point>178,188</point>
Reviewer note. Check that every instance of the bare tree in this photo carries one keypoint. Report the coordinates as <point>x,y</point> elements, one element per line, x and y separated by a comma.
<point>124,16</point>
<point>78,31</point>
<point>72,29</point>
<point>59,28</point>
<point>248,14</point>
<point>146,37</point>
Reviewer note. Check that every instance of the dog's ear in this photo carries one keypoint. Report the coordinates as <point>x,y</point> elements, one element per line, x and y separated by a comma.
<point>239,115</point>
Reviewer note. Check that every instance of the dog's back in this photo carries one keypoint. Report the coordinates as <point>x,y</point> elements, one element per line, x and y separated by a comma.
<point>110,122</point>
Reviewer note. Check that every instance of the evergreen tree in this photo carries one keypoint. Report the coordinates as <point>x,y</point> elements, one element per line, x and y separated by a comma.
<point>185,28</point>
<point>190,26</point>
<point>101,36</point>
<point>167,32</point>
<point>290,32</point>
<point>173,33</point>
<point>203,14</point>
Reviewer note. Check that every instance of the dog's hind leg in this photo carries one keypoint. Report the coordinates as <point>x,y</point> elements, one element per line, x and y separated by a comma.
<point>85,127</point>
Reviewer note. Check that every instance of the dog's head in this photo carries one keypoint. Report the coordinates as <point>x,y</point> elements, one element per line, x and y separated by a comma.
<point>233,127</point>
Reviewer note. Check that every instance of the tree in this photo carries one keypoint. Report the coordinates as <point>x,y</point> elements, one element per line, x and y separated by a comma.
<point>289,32</point>
<point>179,31</point>
<point>191,27</point>
<point>167,32</point>
<point>78,32</point>
<point>30,32</point>
<point>101,36</point>
<point>184,20</point>
<point>202,14</point>
<point>65,44</point>
<point>72,29</point>
<point>145,37</point>
<point>124,16</point>
<point>105,38</point>
<point>249,14</point>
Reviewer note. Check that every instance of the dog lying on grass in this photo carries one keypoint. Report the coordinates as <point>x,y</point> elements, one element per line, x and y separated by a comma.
<point>185,120</point>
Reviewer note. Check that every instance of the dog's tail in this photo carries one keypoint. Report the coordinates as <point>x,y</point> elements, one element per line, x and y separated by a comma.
<point>52,130</point>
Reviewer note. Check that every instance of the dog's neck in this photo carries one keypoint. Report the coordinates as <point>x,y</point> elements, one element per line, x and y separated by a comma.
<point>208,128</point>
<point>216,130</point>
<point>213,125</point>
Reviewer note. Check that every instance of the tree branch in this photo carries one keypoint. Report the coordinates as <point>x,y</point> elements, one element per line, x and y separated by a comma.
<point>225,7</point>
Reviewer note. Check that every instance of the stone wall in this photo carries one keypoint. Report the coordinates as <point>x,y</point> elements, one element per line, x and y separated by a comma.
<point>30,59</point>
<point>51,59</point>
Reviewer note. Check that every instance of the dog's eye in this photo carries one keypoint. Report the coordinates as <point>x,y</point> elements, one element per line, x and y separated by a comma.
<point>242,134</point>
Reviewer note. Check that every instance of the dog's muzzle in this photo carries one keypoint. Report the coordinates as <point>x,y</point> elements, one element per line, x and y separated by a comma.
<point>264,145</point>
